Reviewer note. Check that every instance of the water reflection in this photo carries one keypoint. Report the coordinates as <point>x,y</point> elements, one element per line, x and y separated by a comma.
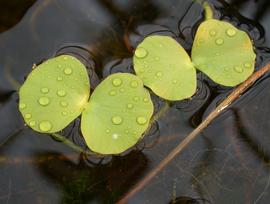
<point>80,183</point>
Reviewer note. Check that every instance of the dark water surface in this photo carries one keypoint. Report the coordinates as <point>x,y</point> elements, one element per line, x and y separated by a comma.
<point>228,164</point>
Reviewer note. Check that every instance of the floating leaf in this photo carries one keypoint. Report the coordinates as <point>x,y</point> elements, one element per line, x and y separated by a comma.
<point>54,94</point>
<point>118,114</point>
<point>223,52</point>
<point>165,67</point>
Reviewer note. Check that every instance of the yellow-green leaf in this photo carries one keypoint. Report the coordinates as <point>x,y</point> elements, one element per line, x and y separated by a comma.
<point>54,94</point>
<point>118,114</point>
<point>223,52</point>
<point>165,67</point>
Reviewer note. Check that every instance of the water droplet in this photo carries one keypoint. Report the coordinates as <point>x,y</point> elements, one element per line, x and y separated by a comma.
<point>68,71</point>
<point>134,84</point>
<point>219,41</point>
<point>212,33</point>
<point>159,74</point>
<point>157,58</point>
<point>201,41</point>
<point>217,54</point>
<point>145,100</point>
<point>130,106</point>
<point>64,113</point>
<point>115,136</point>
<point>126,131</point>
<point>108,131</point>
<point>112,93</point>
<point>160,45</point>
<point>65,58</point>
<point>247,65</point>
<point>64,103</point>
<point>44,90</point>
<point>238,69</point>
<point>45,126</point>
<point>32,123</point>
<point>44,101</point>
<point>231,32</point>
<point>59,78</point>
<point>122,90</point>
<point>22,106</point>
<point>117,120</point>
<point>141,52</point>
<point>174,81</point>
<point>28,116</point>
<point>136,98</point>
<point>117,82</point>
<point>61,93</point>
<point>146,66</point>
<point>141,120</point>
<point>59,65</point>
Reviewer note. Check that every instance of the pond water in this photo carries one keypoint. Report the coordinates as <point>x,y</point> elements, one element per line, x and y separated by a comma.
<point>228,164</point>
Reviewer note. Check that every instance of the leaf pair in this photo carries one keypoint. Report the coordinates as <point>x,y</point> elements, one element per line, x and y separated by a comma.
<point>57,91</point>
<point>220,50</point>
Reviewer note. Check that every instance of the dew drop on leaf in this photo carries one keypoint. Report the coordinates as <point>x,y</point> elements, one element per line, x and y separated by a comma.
<point>141,52</point>
<point>45,126</point>
<point>141,120</point>
<point>117,120</point>
<point>44,101</point>
<point>61,93</point>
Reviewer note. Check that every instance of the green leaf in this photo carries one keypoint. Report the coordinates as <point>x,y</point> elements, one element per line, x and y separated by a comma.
<point>165,67</point>
<point>118,114</point>
<point>54,94</point>
<point>223,52</point>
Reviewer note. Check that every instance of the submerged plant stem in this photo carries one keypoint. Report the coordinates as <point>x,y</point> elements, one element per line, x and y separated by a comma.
<point>69,143</point>
<point>180,147</point>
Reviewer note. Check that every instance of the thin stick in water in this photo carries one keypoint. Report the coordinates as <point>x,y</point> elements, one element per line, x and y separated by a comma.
<point>180,147</point>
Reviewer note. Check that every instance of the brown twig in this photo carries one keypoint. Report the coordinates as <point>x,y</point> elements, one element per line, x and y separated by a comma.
<point>180,147</point>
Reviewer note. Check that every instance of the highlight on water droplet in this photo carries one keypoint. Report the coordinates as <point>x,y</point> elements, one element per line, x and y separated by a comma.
<point>247,65</point>
<point>45,126</point>
<point>115,136</point>
<point>112,93</point>
<point>122,90</point>
<point>157,58</point>
<point>32,123</point>
<point>117,82</point>
<point>141,52</point>
<point>238,69</point>
<point>212,33</point>
<point>44,90</point>
<point>61,93</point>
<point>28,116</point>
<point>145,100</point>
<point>108,131</point>
<point>219,41</point>
<point>59,78</point>
<point>136,98</point>
<point>159,74</point>
<point>174,81</point>
<point>64,113</point>
<point>130,106</point>
<point>68,71</point>
<point>117,120</point>
<point>231,32</point>
<point>141,120</point>
<point>44,101</point>
<point>64,103</point>
<point>22,106</point>
<point>134,84</point>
